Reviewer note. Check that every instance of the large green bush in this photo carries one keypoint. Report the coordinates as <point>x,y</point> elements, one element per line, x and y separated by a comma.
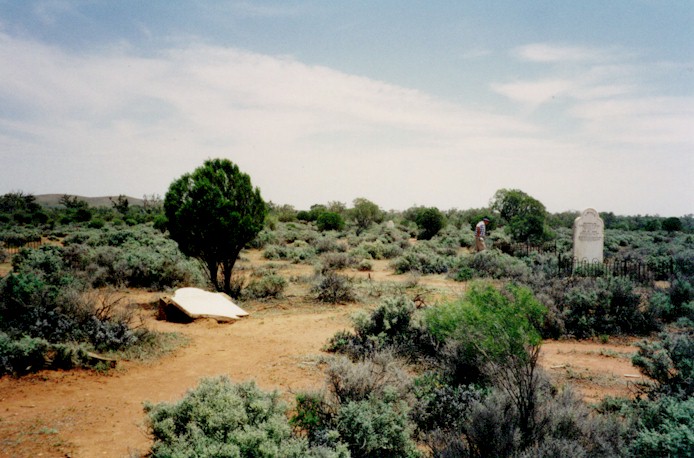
<point>499,322</point>
<point>330,221</point>
<point>429,221</point>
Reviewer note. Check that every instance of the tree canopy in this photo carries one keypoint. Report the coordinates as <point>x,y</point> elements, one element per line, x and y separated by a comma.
<point>365,213</point>
<point>523,215</point>
<point>213,213</point>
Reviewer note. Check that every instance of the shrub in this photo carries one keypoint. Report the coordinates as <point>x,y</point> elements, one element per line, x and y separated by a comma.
<point>669,362</point>
<point>377,428</point>
<point>664,428</point>
<point>220,418</point>
<point>328,243</point>
<point>43,300</point>
<point>493,264</point>
<point>486,328</point>
<point>440,406</point>
<point>275,252</point>
<point>365,406</point>
<point>330,221</point>
<point>423,260</point>
<point>335,261</point>
<point>357,381</point>
<point>21,356</point>
<point>486,311</point>
<point>391,326</point>
<point>391,320</point>
<point>333,288</point>
<point>300,251</point>
<point>564,427</point>
<point>365,266</point>
<point>135,257</point>
<point>681,292</point>
<point>269,285</point>
<point>605,306</point>
<point>429,221</point>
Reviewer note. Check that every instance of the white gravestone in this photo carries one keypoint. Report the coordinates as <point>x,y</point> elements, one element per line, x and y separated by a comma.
<point>589,236</point>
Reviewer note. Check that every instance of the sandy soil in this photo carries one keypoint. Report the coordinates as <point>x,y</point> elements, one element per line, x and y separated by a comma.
<point>89,414</point>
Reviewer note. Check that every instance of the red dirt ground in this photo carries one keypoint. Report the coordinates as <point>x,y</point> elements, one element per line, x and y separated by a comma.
<point>89,414</point>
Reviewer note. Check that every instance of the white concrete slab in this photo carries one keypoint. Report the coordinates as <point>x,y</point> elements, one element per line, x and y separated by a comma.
<point>198,303</point>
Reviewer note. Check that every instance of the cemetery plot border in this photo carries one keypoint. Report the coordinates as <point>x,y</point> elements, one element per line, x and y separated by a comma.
<point>636,270</point>
<point>12,249</point>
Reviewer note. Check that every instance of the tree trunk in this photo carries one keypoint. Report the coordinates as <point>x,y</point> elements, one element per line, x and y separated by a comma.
<point>212,271</point>
<point>227,267</point>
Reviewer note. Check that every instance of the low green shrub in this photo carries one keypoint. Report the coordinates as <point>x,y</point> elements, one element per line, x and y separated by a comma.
<point>610,306</point>
<point>221,418</point>
<point>669,362</point>
<point>130,257</point>
<point>392,326</point>
<point>333,288</point>
<point>440,406</point>
<point>664,428</point>
<point>421,259</point>
<point>335,261</point>
<point>377,427</point>
<point>493,264</point>
<point>21,356</point>
<point>365,406</point>
<point>30,354</point>
<point>269,286</point>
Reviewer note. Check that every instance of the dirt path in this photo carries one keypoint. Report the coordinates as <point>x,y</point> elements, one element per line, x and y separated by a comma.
<point>83,414</point>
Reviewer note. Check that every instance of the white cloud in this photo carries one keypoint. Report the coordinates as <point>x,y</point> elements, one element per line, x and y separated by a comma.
<point>534,93</point>
<point>552,53</point>
<point>653,121</point>
<point>172,111</point>
<point>116,122</point>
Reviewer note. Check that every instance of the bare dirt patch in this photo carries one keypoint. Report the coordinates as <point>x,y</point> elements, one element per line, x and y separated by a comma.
<point>89,414</point>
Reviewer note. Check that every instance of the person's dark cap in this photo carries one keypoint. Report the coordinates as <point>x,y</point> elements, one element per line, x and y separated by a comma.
<point>485,219</point>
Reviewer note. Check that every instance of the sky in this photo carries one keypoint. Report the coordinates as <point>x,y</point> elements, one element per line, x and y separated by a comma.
<point>437,103</point>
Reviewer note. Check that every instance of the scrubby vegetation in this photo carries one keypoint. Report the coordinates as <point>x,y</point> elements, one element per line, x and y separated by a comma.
<point>52,315</point>
<point>446,377</point>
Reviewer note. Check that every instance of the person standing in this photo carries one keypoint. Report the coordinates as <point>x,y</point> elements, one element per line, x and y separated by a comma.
<point>480,234</point>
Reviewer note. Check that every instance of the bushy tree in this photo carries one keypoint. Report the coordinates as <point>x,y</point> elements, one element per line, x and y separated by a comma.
<point>364,213</point>
<point>429,221</point>
<point>672,224</point>
<point>330,221</point>
<point>20,208</point>
<point>524,215</point>
<point>213,213</point>
<point>121,204</point>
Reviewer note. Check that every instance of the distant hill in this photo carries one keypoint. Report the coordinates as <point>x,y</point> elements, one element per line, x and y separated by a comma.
<point>53,200</point>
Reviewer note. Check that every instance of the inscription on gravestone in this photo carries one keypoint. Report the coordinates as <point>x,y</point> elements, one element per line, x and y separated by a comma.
<point>589,236</point>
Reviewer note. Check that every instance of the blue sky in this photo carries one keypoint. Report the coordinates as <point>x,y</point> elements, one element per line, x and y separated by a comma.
<point>580,104</point>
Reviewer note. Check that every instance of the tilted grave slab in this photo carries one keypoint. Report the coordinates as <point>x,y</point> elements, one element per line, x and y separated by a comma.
<point>198,303</point>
